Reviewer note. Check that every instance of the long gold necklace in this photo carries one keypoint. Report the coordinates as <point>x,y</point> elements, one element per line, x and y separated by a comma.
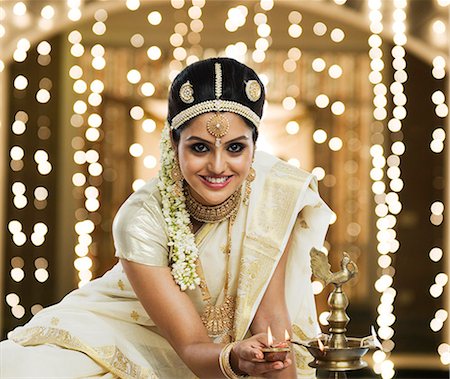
<point>218,319</point>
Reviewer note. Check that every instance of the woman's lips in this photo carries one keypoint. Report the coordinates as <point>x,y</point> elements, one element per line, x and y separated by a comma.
<point>216,182</point>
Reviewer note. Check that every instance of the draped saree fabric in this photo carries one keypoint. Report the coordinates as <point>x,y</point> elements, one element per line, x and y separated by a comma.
<point>105,321</point>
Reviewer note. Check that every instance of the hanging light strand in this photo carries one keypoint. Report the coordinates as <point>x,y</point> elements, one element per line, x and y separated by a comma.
<point>382,364</point>
<point>437,207</point>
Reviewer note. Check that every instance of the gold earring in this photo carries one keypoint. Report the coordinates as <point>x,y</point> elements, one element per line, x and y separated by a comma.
<point>248,189</point>
<point>177,177</point>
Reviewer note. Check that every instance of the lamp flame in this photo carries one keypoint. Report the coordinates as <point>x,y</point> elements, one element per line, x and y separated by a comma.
<point>269,337</point>
<point>287,337</point>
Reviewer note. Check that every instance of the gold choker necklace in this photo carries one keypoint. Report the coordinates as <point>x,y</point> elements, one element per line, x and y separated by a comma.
<point>215,213</point>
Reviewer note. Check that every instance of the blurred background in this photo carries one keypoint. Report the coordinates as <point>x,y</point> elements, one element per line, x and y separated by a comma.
<point>357,93</point>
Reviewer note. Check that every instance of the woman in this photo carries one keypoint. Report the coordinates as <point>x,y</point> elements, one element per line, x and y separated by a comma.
<point>211,253</point>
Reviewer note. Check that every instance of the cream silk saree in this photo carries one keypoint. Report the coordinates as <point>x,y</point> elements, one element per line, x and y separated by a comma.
<point>105,320</point>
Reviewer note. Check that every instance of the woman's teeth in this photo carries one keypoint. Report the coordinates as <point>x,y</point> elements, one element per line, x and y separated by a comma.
<point>210,179</point>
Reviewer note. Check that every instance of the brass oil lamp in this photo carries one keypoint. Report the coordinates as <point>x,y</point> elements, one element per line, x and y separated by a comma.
<point>335,352</point>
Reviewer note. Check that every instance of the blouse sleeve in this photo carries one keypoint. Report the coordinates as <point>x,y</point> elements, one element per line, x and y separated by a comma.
<point>139,229</point>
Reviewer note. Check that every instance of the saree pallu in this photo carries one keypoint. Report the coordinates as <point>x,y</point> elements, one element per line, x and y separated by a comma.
<point>105,320</point>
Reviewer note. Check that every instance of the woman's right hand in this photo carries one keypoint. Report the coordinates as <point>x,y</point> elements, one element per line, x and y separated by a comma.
<point>247,357</point>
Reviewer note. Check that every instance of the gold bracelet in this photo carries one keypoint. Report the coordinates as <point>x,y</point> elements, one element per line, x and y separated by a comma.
<point>225,364</point>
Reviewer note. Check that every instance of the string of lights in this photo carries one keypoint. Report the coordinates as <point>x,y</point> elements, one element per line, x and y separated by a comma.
<point>436,253</point>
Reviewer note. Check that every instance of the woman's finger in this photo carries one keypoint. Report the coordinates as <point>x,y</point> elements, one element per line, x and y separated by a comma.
<point>260,368</point>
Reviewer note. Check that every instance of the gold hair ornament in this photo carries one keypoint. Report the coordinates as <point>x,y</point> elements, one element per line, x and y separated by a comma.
<point>187,93</point>
<point>253,90</point>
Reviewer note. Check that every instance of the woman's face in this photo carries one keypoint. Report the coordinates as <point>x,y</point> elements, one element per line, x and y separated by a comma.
<point>212,172</point>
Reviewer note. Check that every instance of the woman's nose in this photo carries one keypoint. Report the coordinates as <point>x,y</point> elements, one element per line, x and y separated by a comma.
<point>217,163</point>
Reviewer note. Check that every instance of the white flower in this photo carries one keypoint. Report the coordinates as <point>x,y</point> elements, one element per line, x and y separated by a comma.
<point>183,252</point>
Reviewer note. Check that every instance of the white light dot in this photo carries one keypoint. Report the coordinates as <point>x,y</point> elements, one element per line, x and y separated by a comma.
<point>436,290</point>
<point>322,101</point>
<point>133,5</point>
<point>319,28</point>
<point>292,127</point>
<point>289,103</point>
<point>319,172</point>
<point>43,96</point>
<point>136,149</point>
<point>337,35</point>
<point>438,97</point>
<point>134,76</point>
<point>295,17</point>
<point>154,53</point>
<point>19,9</point>
<point>12,299</point>
<point>78,179</point>
<point>317,287</point>
<point>137,113</point>
<point>436,254</point>
<point>335,71</point>
<point>323,318</point>
<point>338,108</point>
<point>18,311</point>
<point>138,183</point>
<point>154,18</point>
<point>295,30</point>
<point>20,82</point>
<point>16,153</point>
<point>137,40</point>
<point>335,144</point>
<point>437,208</point>
<point>320,136</point>
<point>17,274</point>
<point>149,125</point>
<point>442,110</point>
<point>150,161</point>
<point>294,162</point>
<point>318,65</point>
<point>147,89</point>
<point>398,148</point>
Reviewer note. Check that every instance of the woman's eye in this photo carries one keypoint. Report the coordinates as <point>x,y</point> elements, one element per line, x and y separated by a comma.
<point>236,147</point>
<point>199,148</point>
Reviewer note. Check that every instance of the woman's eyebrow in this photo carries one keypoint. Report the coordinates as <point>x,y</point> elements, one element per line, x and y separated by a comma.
<point>191,138</point>
<point>244,137</point>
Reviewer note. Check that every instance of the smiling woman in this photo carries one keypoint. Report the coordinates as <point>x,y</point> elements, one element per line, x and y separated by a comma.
<point>212,252</point>
<point>213,173</point>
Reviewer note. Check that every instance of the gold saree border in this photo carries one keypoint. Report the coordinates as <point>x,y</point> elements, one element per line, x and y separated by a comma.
<point>266,237</point>
<point>109,356</point>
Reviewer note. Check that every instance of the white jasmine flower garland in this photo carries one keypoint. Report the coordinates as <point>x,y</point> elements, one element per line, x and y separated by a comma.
<point>183,252</point>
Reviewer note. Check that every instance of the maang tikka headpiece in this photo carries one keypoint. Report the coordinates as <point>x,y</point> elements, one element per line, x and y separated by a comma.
<point>218,125</point>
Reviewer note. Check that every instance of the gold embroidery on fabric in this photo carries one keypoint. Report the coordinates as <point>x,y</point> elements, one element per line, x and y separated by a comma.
<point>300,333</point>
<point>264,237</point>
<point>121,285</point>
<point>311,321</point>
<point>109,357</point>
<point>134,315</point>
<point>54,321</point>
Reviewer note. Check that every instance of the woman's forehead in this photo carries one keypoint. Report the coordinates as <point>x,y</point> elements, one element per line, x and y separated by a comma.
<point>197,126</point>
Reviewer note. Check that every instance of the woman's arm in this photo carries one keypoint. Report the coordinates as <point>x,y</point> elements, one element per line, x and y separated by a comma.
<point>174,314</point>
<point>273,312</point>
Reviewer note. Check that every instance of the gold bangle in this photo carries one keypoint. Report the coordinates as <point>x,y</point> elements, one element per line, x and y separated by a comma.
<point>225,364</point>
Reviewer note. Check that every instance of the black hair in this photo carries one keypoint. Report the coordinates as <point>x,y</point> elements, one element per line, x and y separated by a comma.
<point>201,76</point>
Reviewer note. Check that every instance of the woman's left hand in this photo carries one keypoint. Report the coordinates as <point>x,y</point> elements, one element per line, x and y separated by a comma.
<point>248,358</point>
